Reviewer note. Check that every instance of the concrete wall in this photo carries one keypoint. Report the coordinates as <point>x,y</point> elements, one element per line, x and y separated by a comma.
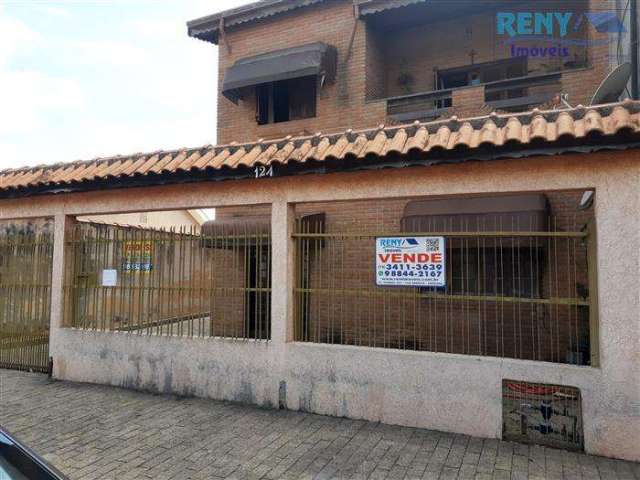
<point>434,390</point>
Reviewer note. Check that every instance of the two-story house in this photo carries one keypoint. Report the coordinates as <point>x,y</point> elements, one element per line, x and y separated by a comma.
<point>330,66</point>
<point>426,215</point>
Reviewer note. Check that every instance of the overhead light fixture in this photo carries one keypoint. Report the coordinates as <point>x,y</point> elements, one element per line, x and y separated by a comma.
<point>587,200</point>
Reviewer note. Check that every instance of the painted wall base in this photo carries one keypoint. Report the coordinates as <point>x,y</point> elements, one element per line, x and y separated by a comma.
<point>446,392</point>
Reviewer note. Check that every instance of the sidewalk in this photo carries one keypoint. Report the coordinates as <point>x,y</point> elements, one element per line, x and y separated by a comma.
<point>97,432</point>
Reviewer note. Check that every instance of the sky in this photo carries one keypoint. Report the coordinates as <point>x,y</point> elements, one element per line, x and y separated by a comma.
<point>81,79</point>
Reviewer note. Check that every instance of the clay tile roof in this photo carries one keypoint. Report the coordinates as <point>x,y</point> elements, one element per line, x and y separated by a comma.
<point>517,132</point>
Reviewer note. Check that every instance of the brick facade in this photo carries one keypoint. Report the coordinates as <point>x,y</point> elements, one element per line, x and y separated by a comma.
<point>340,105</point>
<point>465,102</point>
<point>542,332</point>
<point>368,71</point>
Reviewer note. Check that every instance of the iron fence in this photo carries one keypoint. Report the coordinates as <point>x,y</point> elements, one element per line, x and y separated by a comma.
<point>179,282</point>
<point>25,295</point>
<point>516,293</point>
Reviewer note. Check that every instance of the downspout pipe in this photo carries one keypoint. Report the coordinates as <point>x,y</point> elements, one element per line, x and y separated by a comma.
<point>633,46</point>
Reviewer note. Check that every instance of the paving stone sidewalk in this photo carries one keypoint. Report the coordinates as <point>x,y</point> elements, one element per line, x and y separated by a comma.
<point>98,432</point>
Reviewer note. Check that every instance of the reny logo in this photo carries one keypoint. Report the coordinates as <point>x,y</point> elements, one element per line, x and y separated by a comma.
<point>606,22</point>
<point>407,243</point>
<point>533,23</point>
<point>555,33</point>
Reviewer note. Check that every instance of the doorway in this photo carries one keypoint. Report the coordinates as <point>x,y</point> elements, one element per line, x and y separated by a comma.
<point>257,297</point>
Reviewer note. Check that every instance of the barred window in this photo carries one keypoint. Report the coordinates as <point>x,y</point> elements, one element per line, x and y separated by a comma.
<point>497,271</point>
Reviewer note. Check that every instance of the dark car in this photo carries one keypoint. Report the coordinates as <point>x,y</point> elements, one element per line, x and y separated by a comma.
<point>18,462</point>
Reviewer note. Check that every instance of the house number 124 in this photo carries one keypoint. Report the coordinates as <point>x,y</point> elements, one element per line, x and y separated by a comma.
<point>262,172</point>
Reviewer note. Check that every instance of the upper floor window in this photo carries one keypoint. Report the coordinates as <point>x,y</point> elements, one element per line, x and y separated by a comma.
<point>286,100</point>
<point>283,82</point>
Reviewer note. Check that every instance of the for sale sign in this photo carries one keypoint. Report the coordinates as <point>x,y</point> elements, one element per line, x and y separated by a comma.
<point>410,261</point>
<point>137,256</point>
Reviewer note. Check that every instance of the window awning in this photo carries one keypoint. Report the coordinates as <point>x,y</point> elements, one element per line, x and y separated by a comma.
<point>371,7</point>
<point>317,59</point>
<point>236,232</point>
<point>500,213</point>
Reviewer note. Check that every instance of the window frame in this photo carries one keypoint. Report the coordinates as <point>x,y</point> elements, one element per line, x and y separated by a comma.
<point>495,271</point>
<point>267,99</point>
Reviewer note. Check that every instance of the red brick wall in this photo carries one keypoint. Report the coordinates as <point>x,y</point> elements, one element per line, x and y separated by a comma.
<point>465,102</point>
<point>448,44</point>
<point>541,332</point>
<point>370,70</point>
<point>340,105</point>
<point>376,77</point>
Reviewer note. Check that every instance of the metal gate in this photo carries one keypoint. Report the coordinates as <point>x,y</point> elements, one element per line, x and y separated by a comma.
<point>26,253</point>
<point>187,282</point>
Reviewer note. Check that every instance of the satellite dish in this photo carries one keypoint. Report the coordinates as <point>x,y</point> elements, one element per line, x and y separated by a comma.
<point>613,85</point>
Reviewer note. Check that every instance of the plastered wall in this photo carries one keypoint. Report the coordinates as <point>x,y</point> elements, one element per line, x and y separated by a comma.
<point>433,390</point>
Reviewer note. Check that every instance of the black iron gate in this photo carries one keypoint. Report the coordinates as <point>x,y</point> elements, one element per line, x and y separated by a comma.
<point>179,282</point>
<point>26,254</point>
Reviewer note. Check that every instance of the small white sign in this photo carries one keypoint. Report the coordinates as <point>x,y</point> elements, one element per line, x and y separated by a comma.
<point>410,261</point>
<point>109,278</point>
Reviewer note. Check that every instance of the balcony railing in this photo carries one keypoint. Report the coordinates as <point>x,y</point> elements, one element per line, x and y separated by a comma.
<point>510,94</point>
<point>516,93</point>
<point>419,106</point>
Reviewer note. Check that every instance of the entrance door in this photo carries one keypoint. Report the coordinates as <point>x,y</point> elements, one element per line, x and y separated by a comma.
<point>257,297</point>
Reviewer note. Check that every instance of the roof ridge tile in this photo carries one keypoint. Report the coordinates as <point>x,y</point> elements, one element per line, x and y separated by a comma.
<point>495,129</point>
